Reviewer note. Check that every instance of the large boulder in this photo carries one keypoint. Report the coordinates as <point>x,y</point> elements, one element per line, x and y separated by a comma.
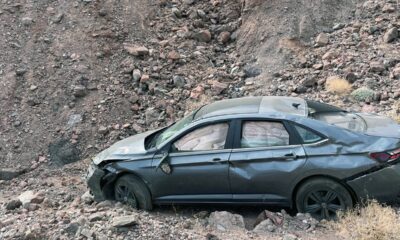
<point>226,221</point>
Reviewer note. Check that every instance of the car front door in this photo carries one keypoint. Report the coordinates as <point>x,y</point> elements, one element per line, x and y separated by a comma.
<point>264,162</point>
<point>198,160</point>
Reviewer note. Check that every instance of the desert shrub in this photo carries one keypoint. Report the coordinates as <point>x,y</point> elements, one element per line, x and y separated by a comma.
<point>370,222</point>
<point>337,85</point>
<point>363,94</point>
<point>395,112</point>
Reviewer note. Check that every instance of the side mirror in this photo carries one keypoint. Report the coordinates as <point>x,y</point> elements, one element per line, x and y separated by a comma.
<point>164,164</point>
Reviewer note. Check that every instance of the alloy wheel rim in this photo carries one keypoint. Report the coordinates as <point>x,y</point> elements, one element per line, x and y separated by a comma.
<point>125,195</point>
<point>323,204</point>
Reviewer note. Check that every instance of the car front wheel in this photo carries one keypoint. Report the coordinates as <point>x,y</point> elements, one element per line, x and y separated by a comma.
<point>132,191</point>
<point>323,198</point>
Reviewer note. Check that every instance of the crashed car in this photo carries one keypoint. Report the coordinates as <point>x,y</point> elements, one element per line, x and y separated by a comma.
<point>280,151</point>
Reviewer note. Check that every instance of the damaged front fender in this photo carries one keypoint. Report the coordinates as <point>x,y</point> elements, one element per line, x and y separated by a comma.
<point>98,181</point>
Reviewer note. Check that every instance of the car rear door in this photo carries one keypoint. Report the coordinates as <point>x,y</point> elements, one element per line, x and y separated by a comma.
<point>264,161</point>
<point>199,164</point>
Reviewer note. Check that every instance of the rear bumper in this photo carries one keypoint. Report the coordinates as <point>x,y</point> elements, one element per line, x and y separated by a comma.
<point>93,180</point>
<point>382,185</point>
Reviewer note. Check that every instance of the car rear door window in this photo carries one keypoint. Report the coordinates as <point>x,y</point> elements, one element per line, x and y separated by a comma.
<point>210,137</point>
<point>263,134</point>
<point>307,136</point>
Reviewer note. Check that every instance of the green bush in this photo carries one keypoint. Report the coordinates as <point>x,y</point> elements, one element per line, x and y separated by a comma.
<point>363,94</point>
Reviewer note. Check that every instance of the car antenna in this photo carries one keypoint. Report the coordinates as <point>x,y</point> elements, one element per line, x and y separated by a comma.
<point>296,105</point>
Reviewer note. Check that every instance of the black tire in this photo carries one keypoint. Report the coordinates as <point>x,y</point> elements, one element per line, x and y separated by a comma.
<point>132,191</point>
<point>322,198</point>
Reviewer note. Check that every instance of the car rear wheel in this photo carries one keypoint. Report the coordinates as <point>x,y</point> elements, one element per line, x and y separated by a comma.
<point>132,191</point>
<point>323,198</point>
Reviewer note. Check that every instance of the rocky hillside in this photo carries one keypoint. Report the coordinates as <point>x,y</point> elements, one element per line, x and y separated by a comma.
<point>76,76</point>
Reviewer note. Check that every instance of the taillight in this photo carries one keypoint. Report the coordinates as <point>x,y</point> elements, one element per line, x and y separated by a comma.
<point>386,156</point>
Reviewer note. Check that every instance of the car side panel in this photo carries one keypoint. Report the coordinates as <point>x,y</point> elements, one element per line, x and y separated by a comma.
<point>265,175</point>
<point>194,176</point>
<point>141,168</point>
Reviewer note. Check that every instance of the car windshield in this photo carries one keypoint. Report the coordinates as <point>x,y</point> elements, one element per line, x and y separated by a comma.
<point>167,133</point>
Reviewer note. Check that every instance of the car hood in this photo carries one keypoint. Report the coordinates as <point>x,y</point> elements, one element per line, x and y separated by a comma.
<point>124,149</point>
<point>380,126</point>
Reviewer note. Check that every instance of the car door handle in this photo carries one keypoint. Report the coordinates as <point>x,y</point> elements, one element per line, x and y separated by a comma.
<point>216,159</point>
<point>290,156</point>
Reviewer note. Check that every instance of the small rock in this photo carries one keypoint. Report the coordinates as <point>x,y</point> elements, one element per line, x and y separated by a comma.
<point>177,13</point>
<point>174,55</point>
<point>301,89</point>
<point>264,227</point>
<point>103,130</point>
<point>351,77</point>
<point>87,197</point>
<point>251,71</point>
<point>57,18</point>
<point>318,66</point>
<point>322,40</point>
<point>289,237</point>
<point>72,228</point>
<point>13,204</point>
<point>329,55</point>
<point>96,217</point>
<point>391,35</point>
<point>31,197</point>
<point>338,26</point>
<point>27,21</point>
<point>377,67</point>
<point>218,87</point>
<point>136,75</point>
<point>144,78</point>
<point>151,115</point>
<point>124,221</point>
<point>10,173</point>
<point>179,81</point>
<point>20,71</point>
<point>80,91</point>
<point>74,119</point>
<point>87,233</point>
<point>310,82</point>
<point>136,50</point>
<point>396,72</point>
<point>203,36</point>
<point>224,37</point>
<point>30,206</point>
<point>388,8</point>
<point>196,92</point>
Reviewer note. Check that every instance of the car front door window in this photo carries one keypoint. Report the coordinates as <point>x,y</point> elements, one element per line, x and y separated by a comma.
<point>211,137</point>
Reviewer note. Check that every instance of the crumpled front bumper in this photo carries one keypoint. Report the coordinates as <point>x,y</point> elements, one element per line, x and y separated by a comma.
<point>94,178</point>
<point>382,185</point>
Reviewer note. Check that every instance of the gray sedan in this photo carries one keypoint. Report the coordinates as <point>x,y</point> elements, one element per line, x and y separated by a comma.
<point>280,151</point>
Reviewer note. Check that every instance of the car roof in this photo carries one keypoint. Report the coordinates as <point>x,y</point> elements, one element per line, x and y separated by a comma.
<point>255,105</point>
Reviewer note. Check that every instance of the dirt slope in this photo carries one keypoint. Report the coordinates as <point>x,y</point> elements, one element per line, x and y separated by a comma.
<point>271,29</point>
<point>66,71</point>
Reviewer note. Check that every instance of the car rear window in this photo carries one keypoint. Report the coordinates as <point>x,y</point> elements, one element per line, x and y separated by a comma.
<point>306,135</point>
<point>345,120</point>
<point>263,134</point>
